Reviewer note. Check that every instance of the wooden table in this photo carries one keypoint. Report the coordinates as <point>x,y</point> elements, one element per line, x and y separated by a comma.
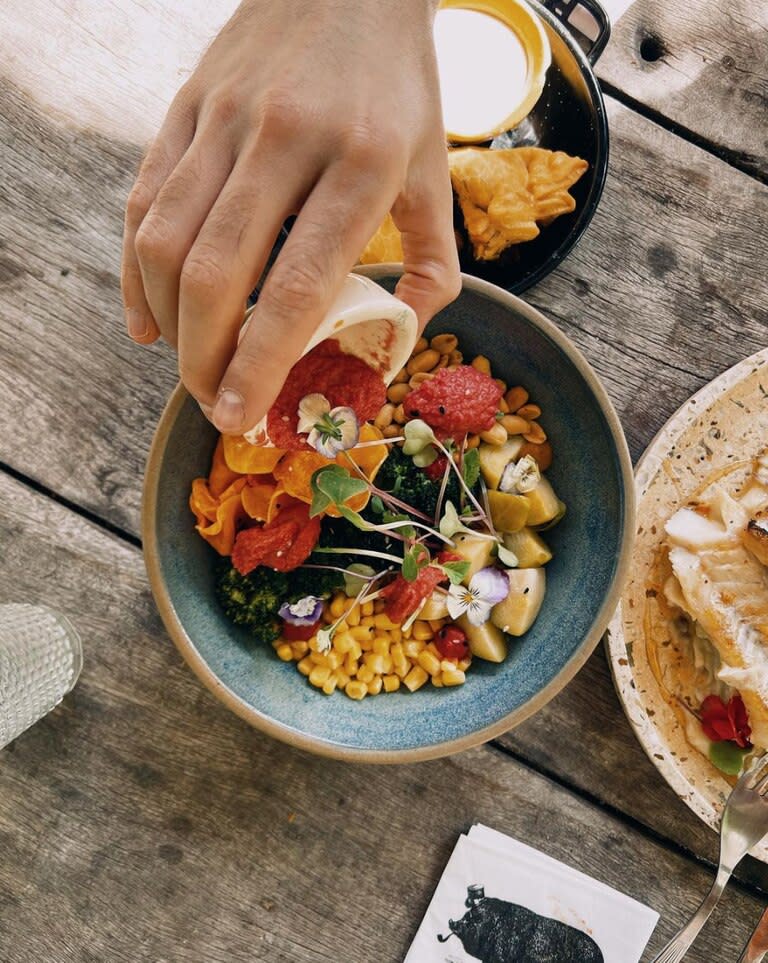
<point>141,821</point>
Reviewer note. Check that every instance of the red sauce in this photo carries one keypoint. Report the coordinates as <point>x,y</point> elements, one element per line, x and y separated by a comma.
<point>342,378</point>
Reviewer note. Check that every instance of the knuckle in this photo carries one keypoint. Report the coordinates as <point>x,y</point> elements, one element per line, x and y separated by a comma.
<point>367,146</point>
<point>280,116</point>
<point>138,203</point>
<point>202,277</point>
<point>293,285</point>
<point>154,240</point>
<point>224,107</point>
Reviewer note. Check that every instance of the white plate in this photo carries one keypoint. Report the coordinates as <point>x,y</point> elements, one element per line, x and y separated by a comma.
<point>726,421</point>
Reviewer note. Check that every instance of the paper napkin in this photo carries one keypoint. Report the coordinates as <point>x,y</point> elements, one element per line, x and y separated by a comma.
<point>511,903</point>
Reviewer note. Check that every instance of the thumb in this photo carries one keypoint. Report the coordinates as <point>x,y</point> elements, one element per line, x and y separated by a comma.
<point>424,216</point>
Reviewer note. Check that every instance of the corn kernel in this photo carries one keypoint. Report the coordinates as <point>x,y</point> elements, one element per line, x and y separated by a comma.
<point>421,630</point>
<point>327,617</point>
<point>350,664</point>
<point>319,674</point>
<point>429,663</point>
<point>381,645</point>
<point>464,664</point>
<point>284,652</point>
<point>365,674</point>
<point>356,650</point>
<point>353,616</point>
<point>437,682</point>
<point>356,690</point>
<point>366,645</point>
<point>431,647</point>
<point>374,662</point>
<point>276,643</point>
<point>457,677</point>
<point>387,663</point>
<point>318,658</point>
<point>391,683</point>
<point>343,642</point>
<point>436,625</point>
<point>402,668</point>
<point>415,678</point>
<point>338,605</point>
<point>407,633</point>
<point>448,665</point>
<point>382,621</point>
<point>374,686</point>
<point>341,678</point>
<point>412,647</point>
<point>329,685</point>
<point>367,619</point>
<point>342,626</point>
<point>314,644</point>
<point>305,666</point>
<point>333,660</point>
<point>396,635</point>
<point>379,605</point>
<point>362,632</point>
<point>396,650</point>
<point>299,649</point>
<point>367,608</point>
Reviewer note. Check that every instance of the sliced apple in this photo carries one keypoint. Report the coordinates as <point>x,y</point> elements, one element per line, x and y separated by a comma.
<point>544,505</point>
<point>485,641</point>
<point>529,547</point>
<point>434,607</point>
<point>475,550</point>
<point>495,458</point>
<point>509,512</point>
<point>518,611</point>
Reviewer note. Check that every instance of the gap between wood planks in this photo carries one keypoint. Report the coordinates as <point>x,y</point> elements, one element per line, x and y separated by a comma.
<point>728,155</point>
<point>637,825</point>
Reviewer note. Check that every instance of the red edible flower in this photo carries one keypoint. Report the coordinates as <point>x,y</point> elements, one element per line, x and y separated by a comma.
<point>282,544</point>
<point>726,723</point>
<point>457,401</point>
<point>404,597</point>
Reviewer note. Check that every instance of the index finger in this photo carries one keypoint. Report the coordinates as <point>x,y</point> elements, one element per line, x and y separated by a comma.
<point>332,229</point>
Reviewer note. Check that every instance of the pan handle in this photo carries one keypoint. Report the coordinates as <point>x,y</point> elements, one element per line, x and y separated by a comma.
<point>564,9</point>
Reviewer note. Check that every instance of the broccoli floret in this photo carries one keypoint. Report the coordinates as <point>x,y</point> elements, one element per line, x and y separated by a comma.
<point>412,485</point>
<point>252,600</point>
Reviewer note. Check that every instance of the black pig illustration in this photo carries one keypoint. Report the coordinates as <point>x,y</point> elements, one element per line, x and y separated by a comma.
<point>495,931</point>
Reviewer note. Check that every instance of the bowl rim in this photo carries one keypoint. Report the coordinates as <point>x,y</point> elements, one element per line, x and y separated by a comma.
<point>320,746</point>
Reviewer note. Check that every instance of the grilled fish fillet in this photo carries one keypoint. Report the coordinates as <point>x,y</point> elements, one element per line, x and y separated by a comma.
<point>724,587</point>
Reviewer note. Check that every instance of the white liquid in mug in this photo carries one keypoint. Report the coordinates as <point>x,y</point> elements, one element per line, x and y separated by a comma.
<point>483,69</point>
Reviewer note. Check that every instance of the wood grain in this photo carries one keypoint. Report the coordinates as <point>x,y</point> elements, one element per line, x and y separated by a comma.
<point>702,65</point>
<point>142,822</point>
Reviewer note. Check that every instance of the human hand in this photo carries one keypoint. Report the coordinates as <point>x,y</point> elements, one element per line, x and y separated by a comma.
<point>330,110</point>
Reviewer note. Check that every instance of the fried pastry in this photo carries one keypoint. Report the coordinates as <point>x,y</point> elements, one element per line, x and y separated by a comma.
<point>503,194</point>
<point>385,245</point>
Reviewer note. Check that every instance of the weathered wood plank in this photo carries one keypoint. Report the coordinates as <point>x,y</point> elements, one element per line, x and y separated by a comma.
<point>701,64</point>
<point>142,822</point>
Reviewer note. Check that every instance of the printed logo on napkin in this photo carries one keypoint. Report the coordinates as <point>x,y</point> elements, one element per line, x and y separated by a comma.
<point>500,901</point>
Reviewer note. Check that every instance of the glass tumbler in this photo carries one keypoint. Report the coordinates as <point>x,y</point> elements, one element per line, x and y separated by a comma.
<point>40,659</point>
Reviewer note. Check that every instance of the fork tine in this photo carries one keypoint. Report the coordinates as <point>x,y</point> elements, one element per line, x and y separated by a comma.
<point>757,776</point>
<point>762,787</point>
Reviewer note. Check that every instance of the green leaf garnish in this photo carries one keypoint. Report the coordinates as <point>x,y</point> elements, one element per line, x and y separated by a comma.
<point>333,485</point>
<point>408,531</point>
<point>356,576</point>
<point>377,505</point>
<point>728,757</point>
<point>471,467</point>
<point>456,571</point>
<point>414,560</point>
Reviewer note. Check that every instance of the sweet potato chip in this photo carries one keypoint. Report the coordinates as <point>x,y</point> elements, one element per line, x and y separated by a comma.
<point>294,473</point>
<point>221,475</point>
<point>247,459</point>
<point>221,532</point>
<point>202,502</point>
<point>370,459</point>
<point>257,495</point>
<point>279,501</point>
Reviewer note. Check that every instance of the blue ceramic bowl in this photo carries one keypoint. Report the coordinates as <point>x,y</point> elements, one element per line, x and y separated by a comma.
<point>592,474</point>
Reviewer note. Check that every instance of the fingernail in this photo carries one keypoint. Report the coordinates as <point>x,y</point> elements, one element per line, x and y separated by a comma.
<point>137,322</point>
<point>229,411</point>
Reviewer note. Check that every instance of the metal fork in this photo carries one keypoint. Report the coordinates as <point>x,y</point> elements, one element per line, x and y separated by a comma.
<point>744,823</point>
